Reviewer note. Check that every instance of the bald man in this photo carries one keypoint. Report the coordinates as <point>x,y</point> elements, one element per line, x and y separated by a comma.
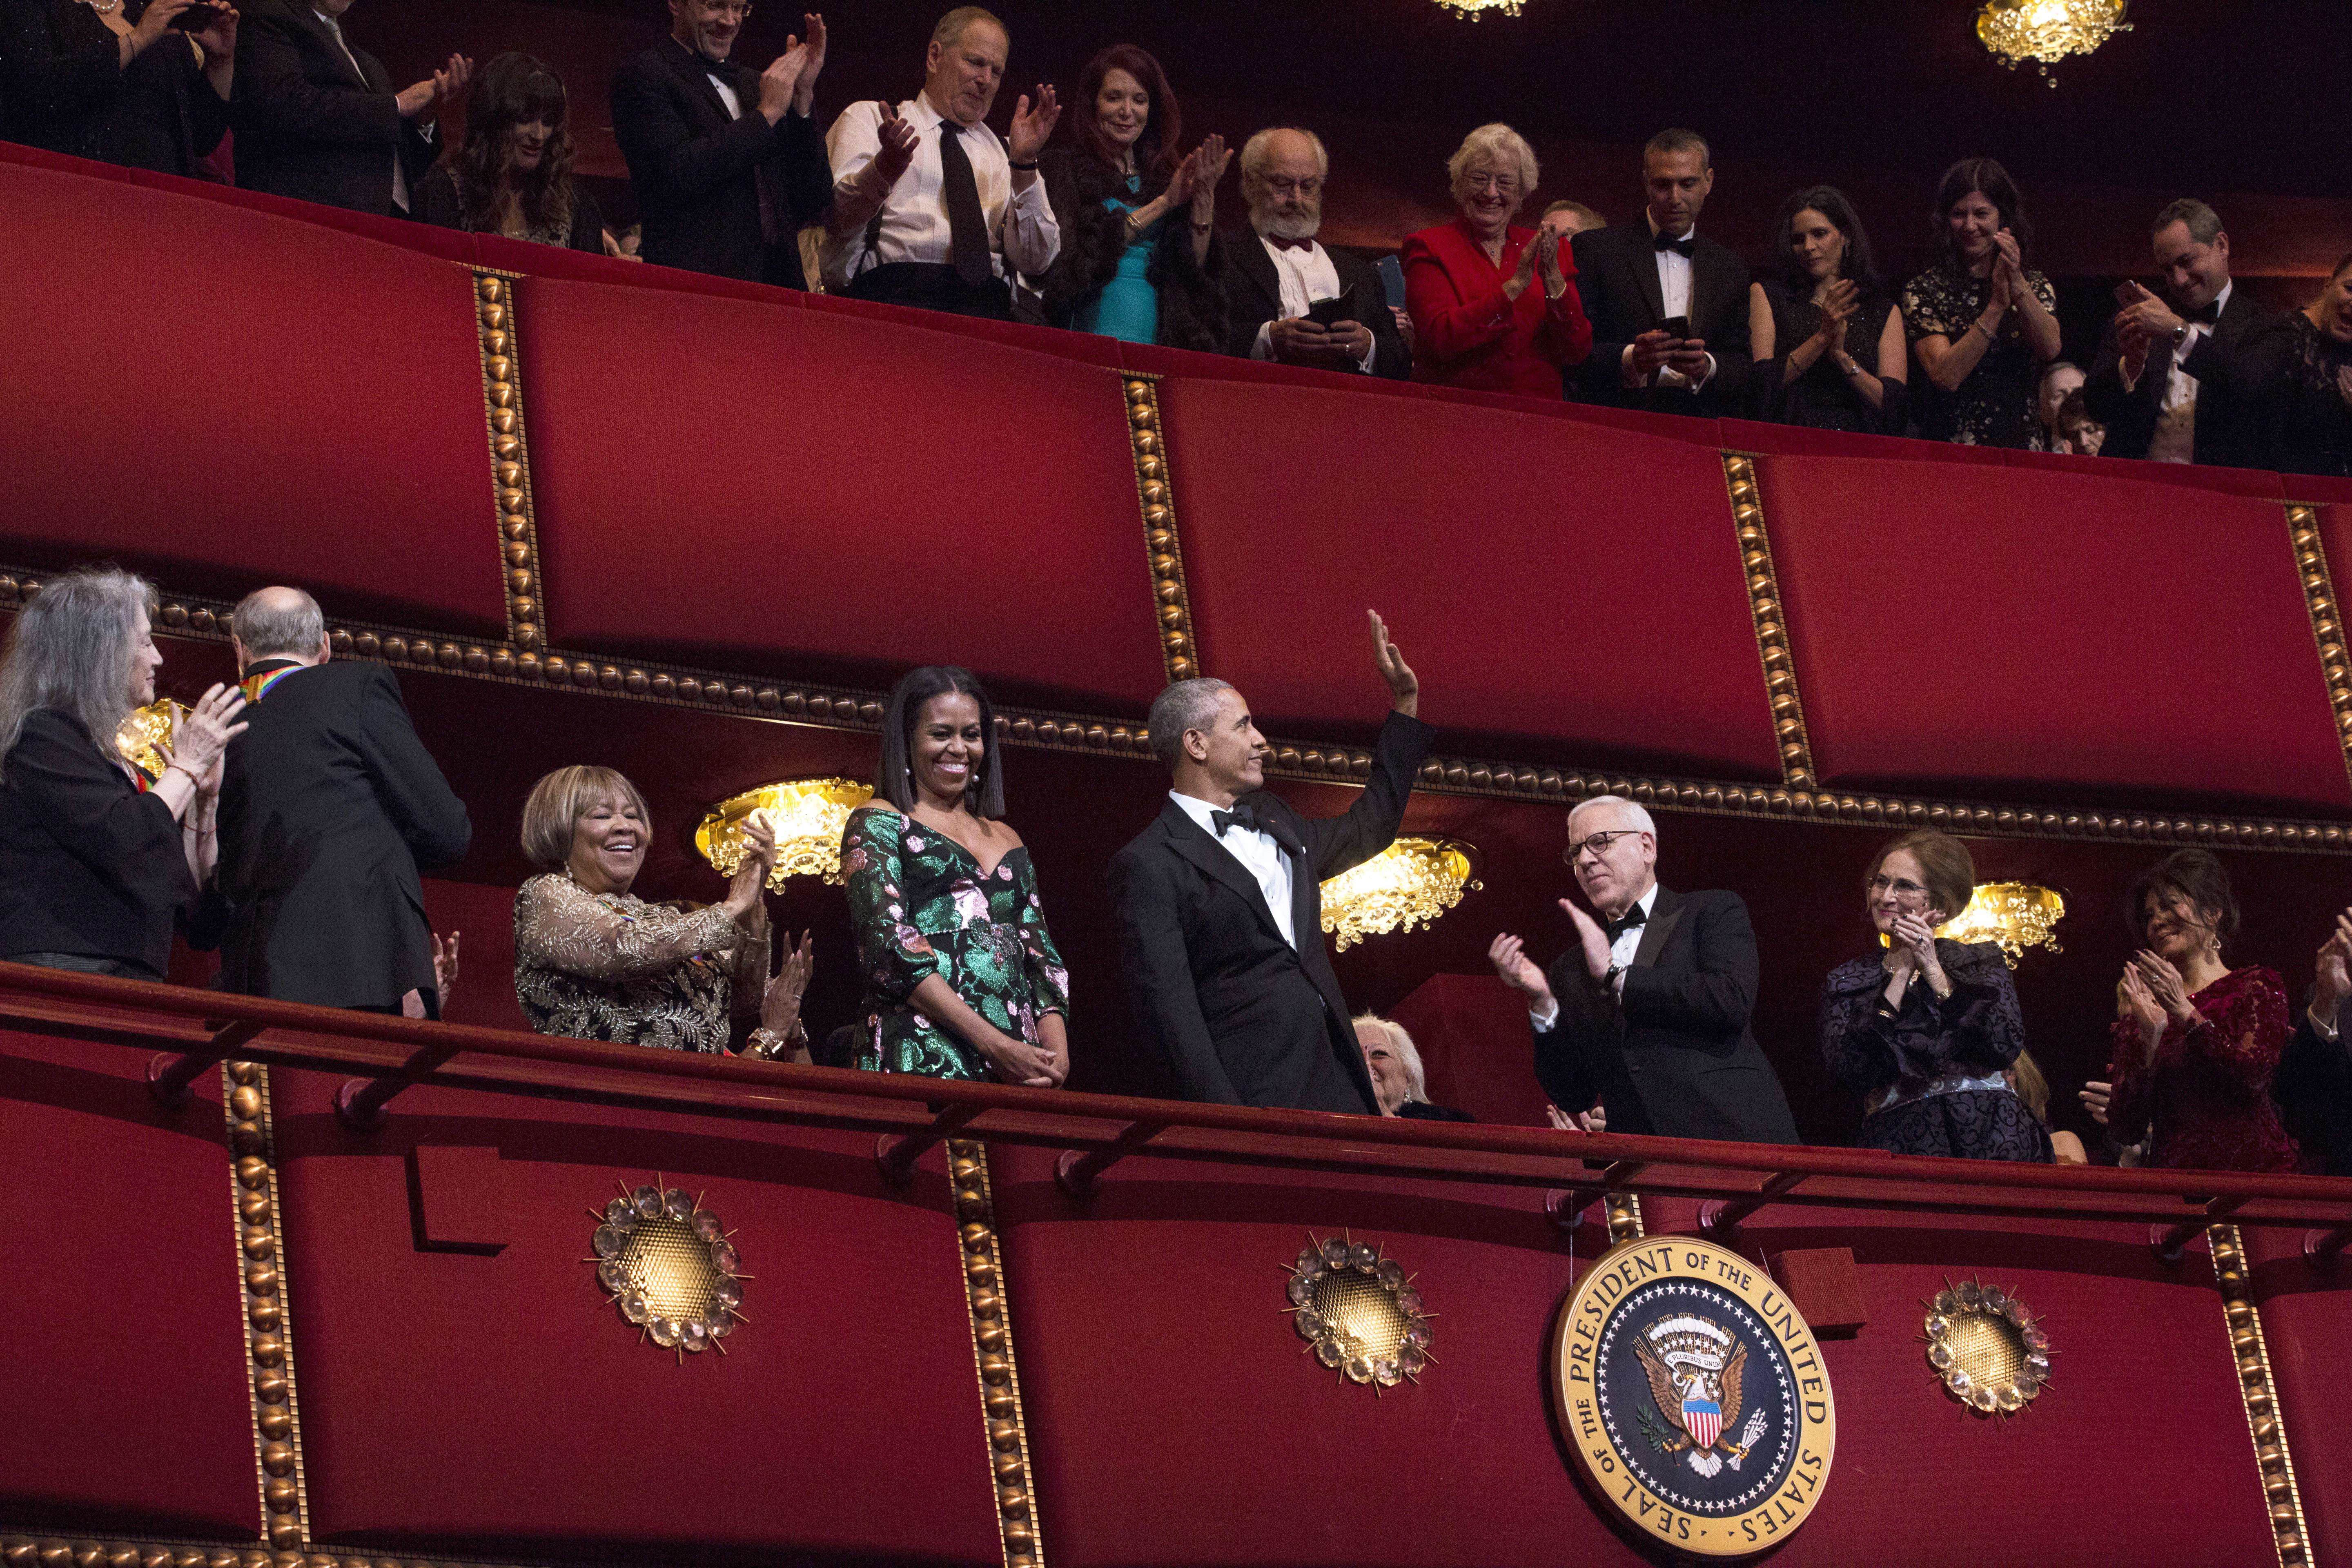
<point>329,810</point>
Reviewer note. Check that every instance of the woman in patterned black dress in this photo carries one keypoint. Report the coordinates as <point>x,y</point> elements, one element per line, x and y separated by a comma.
<point>1981,325</point>
<point>1829,347</point>
<point>1928,1028</point>
<point>961,977</point>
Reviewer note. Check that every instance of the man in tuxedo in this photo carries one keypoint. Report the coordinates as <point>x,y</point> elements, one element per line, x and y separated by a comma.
<point>1280,272</point>
<point>1648,1010</point>
<point>727,160</point>
<point>329,808</point>
<point>317,117</point>
<point>2171,379</point>
<point>2314,1082</point>
<point>1219,904</point>
<point>1668,306</point>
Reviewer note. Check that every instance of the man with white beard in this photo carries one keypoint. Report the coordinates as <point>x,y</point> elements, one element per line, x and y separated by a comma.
<point>1293,301</point>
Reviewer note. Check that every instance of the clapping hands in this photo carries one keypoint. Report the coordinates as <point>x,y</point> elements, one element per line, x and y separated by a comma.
<point>1033,124</point>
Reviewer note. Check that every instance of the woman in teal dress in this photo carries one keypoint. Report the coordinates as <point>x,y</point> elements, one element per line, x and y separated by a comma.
<point>1141,260</point>
<point>962,978</point>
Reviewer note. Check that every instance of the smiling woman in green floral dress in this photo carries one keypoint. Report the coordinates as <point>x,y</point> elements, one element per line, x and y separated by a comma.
<point>962,979</point>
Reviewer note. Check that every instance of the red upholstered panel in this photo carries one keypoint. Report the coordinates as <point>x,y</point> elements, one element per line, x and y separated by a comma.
<point>1475,1047</point>
<point>495,1403</point>
<point>1967,627</point>
<point>2307,1324</point>
<point>1792,440</point>
<point>123,1402</point>
<point>730,480</point>
<point>1557,584</point>
<point>310,412</point>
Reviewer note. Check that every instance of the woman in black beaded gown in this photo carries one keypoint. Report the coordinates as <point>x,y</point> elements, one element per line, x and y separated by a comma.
<point>1828,344</point>
<point>142,83</point>
<point>1981,324</point>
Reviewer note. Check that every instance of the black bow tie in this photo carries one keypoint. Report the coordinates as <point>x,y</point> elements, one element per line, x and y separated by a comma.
<point>1683,247</point>
<point>2209,313</point>
<point>1627,922</point>
<point>1246,817</point>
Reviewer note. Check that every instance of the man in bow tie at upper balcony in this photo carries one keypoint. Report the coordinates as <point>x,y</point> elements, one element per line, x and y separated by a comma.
<point>1220,905</point>
<point>930,209</point>
<point>1289,299</point>
<point>1668,306</point>
<point>1647,1010</point>
<point>2172,381</point>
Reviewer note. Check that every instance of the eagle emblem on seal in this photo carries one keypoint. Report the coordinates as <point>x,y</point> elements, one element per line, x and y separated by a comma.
<point>1695,1366</point>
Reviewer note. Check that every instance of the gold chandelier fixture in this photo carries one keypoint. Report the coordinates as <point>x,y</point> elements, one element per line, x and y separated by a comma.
<point>1474,9</point>
<point>1410,883</point>
<point>2047,31</point>
<point>807,817</point>
<point>2017,915</point>
<point>145,735</point>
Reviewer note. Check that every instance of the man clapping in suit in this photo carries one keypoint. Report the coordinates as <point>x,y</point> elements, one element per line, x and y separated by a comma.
<point>1648,1010</point>
<point>1668,307</point>
<point>1220,903</point>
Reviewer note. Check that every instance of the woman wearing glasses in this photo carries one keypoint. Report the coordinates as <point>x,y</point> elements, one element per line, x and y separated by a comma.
<point>1927,1027</point>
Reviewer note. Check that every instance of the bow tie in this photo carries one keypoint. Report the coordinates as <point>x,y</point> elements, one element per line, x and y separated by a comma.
<point>1681,247</point>
<point>2209,313</point>
<point>1246,817</point>
<point>1281,243</point>
<point>1627,922</point>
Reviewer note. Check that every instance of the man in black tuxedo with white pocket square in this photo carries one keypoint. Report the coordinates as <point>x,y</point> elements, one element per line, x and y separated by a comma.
<point>1219,904</point>
<point>1668,306</point>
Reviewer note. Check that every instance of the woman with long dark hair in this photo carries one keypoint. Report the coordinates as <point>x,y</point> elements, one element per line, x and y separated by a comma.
<point>1981,325</point>
<point>1828,344</point>
<point>961,977</point>
<point>511,175</point>
<point>143,83</point>
<point>1140,258</point>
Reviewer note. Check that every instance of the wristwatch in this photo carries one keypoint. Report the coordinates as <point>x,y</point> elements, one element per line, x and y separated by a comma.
<point>2179,337</point>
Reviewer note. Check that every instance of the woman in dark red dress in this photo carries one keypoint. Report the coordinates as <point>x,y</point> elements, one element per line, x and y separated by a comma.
<point>1494,306</point>
<point>2197,1043</point>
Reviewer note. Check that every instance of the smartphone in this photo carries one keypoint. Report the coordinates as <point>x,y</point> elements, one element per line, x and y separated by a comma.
<point>196,18</point>
<point>2129,292</point>
<point>1328,312</point>
<point>1675,327</point>
<point>1392,273</point>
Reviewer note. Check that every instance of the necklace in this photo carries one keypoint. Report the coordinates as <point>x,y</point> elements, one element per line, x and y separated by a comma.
<point>103,7</point>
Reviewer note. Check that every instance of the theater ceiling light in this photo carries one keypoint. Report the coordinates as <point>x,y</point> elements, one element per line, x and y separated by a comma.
<point>2047,31</point>
<point>2018,915</point>
<point>1411,882</point>
<point>807,816</point>
<point>1474,9</point>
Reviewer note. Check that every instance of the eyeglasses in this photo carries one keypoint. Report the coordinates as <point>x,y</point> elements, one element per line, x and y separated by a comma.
<point>1903,885</point>
<point>737,10</point>
<point>1598,843</point>
<point>1502,184</point>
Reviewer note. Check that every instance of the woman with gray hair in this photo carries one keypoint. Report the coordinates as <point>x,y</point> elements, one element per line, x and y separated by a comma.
<point>1394,1062</point>
<point>97,859</point>
<point>1478,320</point>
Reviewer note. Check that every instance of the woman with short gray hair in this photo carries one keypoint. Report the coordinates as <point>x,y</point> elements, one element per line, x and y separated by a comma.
<point>1398,1082</point>
<point>98,859</point>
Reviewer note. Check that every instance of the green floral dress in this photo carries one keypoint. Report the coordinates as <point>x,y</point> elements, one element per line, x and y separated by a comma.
<point>921,907</point>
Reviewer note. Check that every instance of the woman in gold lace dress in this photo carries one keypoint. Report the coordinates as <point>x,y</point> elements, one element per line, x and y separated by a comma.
<point>594,961</point>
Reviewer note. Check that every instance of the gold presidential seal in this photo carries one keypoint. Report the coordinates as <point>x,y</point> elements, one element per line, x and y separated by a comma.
<point>1693,1395</point>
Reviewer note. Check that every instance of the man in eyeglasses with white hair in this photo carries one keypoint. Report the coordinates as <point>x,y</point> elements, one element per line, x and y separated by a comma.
<point>1647,1010</point>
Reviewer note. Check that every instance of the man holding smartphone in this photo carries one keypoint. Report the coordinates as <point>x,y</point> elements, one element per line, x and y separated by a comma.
<point>1290,299</point>
<point>1668,307</point>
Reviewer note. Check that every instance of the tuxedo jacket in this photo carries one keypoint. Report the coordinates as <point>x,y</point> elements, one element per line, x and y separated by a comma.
<point>1673,1054</point>
<point>308,125</point>
<point>329,806</point>
<point>2228,429</point>
<point>2312,1087</point>
<point>1254,297</point>
<point>698,174</point>
<point>1617,277</point>
<point>1240,1015</point>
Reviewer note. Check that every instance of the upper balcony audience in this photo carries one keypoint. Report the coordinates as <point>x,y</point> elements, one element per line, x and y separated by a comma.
<point>2059,378</point>
<point>317,117</point>
<point>98,861</point>
<point>144,85</point>
<point>2171,380</point>
<point>1668,305</point>
<point>2026,1076</point>
<point>930,207</point>
<point>1288,298</point>
<point>1827,340</point>
<point>725,159</point>
<point>1141,260</point>
<point>2302,375</point>
<point>512,173</point>
<point>1493,305</point>
<point>1980,324</point>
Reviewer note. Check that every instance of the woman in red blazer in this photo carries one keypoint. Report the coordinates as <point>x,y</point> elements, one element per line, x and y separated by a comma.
<point>1478,322</point>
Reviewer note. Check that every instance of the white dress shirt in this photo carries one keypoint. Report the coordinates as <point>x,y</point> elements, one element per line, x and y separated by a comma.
<point>399,175</point>
<point>1621,956</point>
<point>2175,439</point>
<point>1675,292</point>
<point>1260,856</point>
<point>1021,226</point>
<point>1306,274</point>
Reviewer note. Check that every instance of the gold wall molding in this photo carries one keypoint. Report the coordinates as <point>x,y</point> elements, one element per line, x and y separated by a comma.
<point>2326,622</point>
<point>40,1548</point>
<point>510,489</point>
<point>1765,606</point>
<point>992,1353</point>
<point>1623,1212</point>
<point>1179,655</point>
<point>2283,1500</point>
<point>261,1282</point>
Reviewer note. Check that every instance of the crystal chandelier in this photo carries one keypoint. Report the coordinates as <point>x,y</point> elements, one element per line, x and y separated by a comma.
<point>1474,9</point>
<point>2017,915</point>
<point>1410,883</point>
<point>807,817</point>
<point>2046,31</point>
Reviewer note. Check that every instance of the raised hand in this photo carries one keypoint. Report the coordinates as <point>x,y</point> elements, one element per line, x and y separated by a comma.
<point>2095,1096</point>
<point>780,1004</point>
<point>1837,311</point>
<point>1520,973</point>
<point>1590,939</point>
<point>897,153</point>
<point>781,82</point>
<point>1033,126</point>
<point>1181,182</point>
<point>447,85</point>
<point>1208,159</point>
<point>752,872</point>
<point>2136,1003</point>
<point>1403,682</point>
<point>1916,943</point>
<point>812,46</point>
<point>2164,983</point>
<point>219,40</point>
<point>445,965</point>
<point>1548,248</point>
<point>202,733</point>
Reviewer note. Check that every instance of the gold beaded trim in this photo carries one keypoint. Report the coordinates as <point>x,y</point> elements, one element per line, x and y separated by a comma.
<point>39,1551</point>
<point>1178,652</point>
<point>1771,627</point>
<point>509,455</point>
<point>277,1430</point>
<point>992,1350</point>
<point>2289,1532</point>
<point>2326,627</point>
<point>1625,1213</point>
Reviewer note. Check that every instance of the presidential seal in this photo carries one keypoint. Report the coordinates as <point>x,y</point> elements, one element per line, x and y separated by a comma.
<point>1693,1396</point>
